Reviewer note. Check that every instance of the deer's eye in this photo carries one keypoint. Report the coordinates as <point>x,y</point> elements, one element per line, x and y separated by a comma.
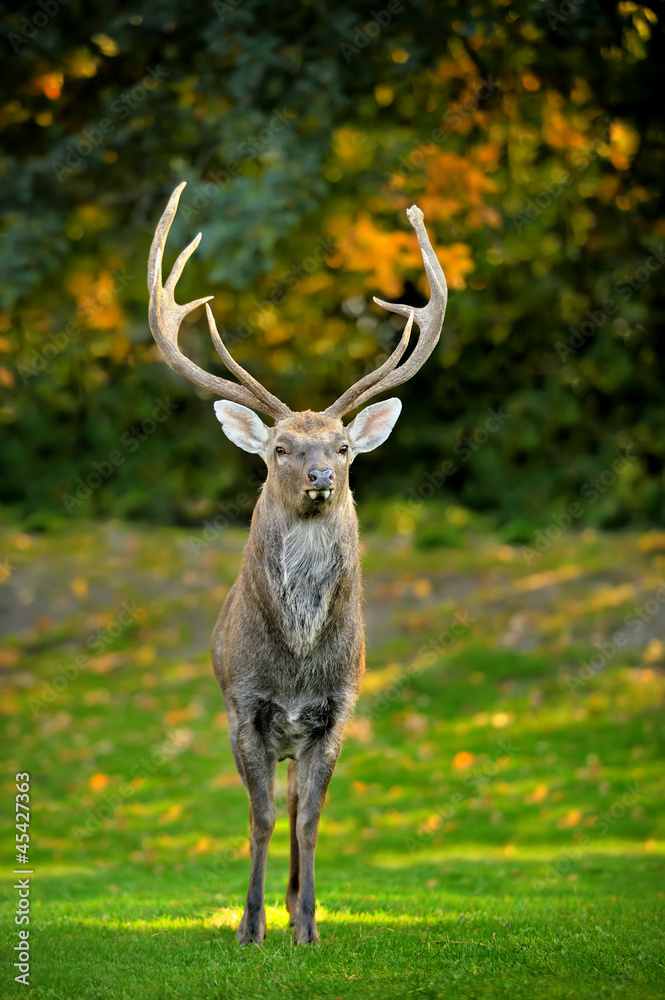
<point>279,450</point>
<point>343,450</point>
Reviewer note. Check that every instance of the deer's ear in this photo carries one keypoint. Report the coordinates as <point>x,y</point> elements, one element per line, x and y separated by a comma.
<point>243,427</point>
<point>373,425</point>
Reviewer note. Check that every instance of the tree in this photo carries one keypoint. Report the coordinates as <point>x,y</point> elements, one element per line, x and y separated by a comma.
<point>529,135</point>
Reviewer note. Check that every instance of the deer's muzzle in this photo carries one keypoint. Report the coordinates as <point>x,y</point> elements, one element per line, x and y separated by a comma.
<point>320,484</point>
<point>321,479</point>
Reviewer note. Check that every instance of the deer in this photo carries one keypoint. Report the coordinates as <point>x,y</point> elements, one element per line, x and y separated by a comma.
<point>288,649</point>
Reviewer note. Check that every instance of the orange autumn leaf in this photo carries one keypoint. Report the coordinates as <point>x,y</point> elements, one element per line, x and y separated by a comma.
<point>456,177</point>
<point>177,715</point>
<point>97,299</point>
<point>429,825</point>
<point>462,760</point>
<point>572,818</point>
<point>456,263</point>
<point>98,781</point>
<point>79,587</point>
<point>50,85</point>
<point>387,257</point>
<point>561,133</point>
<point>460,68</point>
<point>172,814</point>
<point>202,845</point>
<point>378,254</point>
<point>225,780</point>
<point>539,794</point>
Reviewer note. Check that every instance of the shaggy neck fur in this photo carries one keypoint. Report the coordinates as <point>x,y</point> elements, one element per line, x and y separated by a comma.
<point>309,557</point>
<point>310,565</point>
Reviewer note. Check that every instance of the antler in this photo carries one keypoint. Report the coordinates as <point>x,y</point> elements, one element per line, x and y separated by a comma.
<point>429,319</point>
<point>166,316</point>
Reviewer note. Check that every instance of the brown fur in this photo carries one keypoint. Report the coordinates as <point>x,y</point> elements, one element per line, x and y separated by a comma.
<point>288,651</point>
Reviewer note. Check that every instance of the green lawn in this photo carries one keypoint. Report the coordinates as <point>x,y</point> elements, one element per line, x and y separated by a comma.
<point>495,827</point>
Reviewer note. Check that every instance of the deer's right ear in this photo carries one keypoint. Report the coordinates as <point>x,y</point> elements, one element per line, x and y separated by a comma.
<point>243,427</point>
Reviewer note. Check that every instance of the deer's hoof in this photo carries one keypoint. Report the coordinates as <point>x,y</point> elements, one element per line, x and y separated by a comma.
<point>305,931</point>
<point>252,929</point>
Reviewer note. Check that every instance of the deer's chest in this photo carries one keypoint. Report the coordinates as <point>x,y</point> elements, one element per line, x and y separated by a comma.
<point>309,566</point>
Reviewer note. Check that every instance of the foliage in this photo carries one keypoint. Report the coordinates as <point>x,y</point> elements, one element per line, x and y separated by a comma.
<point>495,826</point>
<point>532,136</point>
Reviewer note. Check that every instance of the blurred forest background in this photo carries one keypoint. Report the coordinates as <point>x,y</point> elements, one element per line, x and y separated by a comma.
<point>531,134</point>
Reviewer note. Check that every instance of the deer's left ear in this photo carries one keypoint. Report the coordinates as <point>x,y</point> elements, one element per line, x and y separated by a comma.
<point>373,425</point>
<point>243,427</point>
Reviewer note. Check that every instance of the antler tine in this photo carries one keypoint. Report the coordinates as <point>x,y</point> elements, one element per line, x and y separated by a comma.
<point>429,319</point>
<point>243,376</point>
<point>346,401</point>
<point>166,316</point>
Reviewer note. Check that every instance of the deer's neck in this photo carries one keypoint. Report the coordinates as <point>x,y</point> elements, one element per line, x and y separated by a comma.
<point>309,552</point>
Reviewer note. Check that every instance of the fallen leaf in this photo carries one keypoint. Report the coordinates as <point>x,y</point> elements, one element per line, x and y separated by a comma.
<point>79,587</point>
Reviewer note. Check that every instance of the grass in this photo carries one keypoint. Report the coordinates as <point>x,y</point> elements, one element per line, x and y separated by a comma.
<point>495,826</point>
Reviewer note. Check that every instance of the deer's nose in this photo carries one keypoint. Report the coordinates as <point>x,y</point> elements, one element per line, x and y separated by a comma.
<point>321,479</point>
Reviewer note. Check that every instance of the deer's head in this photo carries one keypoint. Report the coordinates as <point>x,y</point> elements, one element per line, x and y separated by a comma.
<point>308,454</point>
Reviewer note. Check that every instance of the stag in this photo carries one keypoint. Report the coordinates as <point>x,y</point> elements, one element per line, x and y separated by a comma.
<point>288,649</point>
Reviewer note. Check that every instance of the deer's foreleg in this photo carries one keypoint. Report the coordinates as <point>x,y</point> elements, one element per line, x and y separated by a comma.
<point>315,769</point>
<point>259,772</point>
